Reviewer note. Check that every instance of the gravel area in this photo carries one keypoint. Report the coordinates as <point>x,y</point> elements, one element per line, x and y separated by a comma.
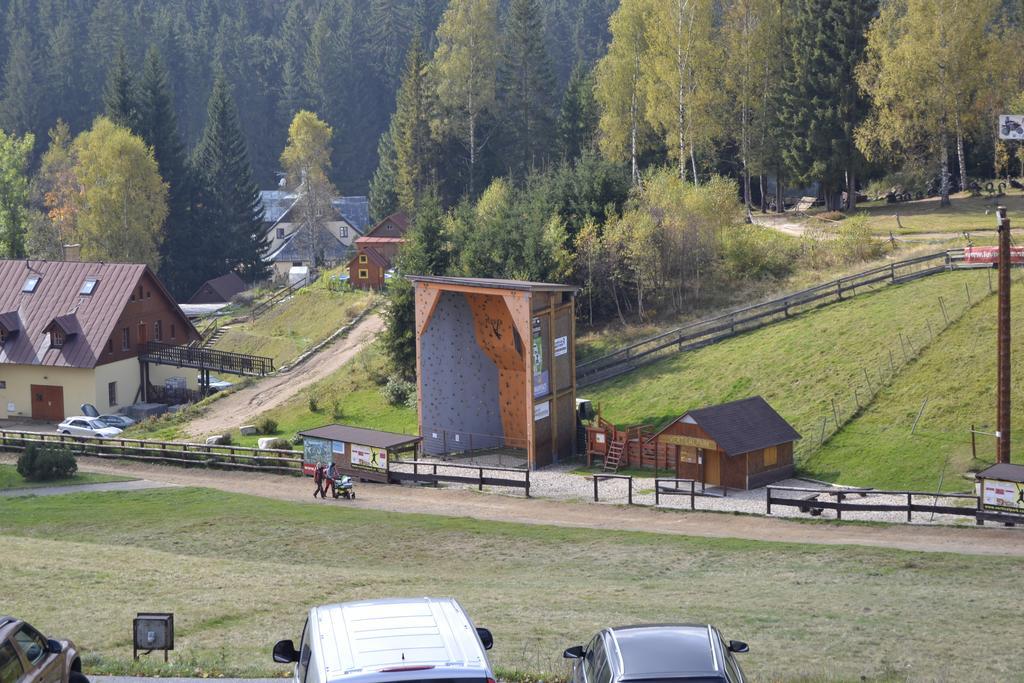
<point>561,482</point>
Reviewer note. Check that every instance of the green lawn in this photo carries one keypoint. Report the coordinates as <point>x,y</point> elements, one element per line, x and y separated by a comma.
<point>964,214</point>
<point>957,377</point>
<point>296,325</point>
<point>10,479</point>
<point>351,395</point>
<point>238,572</point>
<point>802,364</point>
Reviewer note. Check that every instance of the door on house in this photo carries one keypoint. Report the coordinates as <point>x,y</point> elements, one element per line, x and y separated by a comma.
<point>712,468</point>
<point>47,403</point>
<point>142,334</point>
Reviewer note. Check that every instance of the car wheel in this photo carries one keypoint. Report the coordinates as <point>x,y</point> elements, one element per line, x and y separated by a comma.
<point>77,677</point>
<point>66,432</point>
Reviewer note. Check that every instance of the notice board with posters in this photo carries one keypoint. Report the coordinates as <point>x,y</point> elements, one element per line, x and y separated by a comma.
<point>1002,496</point>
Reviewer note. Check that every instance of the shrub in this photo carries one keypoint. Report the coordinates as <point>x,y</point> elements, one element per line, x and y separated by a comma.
<point>266,425</point>
<point>397,391</point>
<point>314,405</point>
<point>756,252</point>
<point>225,439</point>
<point>46,464</point>
<point>297,440</point>
<point>337,412</point>
<point>280,445</point>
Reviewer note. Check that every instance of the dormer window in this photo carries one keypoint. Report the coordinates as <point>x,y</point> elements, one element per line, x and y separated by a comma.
<point>31,282</point>
<point>57,337</point>
<point>89,286</point>
<point>3,336</point>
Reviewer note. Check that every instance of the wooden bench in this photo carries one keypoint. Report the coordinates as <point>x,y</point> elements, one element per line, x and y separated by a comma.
<point>807,507</point>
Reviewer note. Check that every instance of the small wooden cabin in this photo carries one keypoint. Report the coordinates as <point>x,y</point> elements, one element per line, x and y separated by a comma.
<point>360,453</point>
<point>740,445</point>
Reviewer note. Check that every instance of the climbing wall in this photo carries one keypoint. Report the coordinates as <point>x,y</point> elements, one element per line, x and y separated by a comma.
<point>460,401</point>
<point>496,334</point>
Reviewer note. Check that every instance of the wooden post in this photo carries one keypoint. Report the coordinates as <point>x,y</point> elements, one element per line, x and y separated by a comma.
<point>768,500</point>
<point>595,488</point>
<point>910,500</point>
<point>839,507</point>
<point>630,481</point>
<point>1003,344</point>
<point>942,305</point>
<point>867,379</point>
<point>657,491</point>
<point>835,413</point>
<point>481,474</point>
<point>974,445</point>
<point>693,505</point>
<point>527,482</point>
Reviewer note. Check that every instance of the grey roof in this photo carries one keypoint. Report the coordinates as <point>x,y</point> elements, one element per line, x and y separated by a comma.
<point>355,210</point>
<point>665,651</point>
<point>743,426</point>
<point>362,437</point>
<point>1003,471</point>
<point>295,248</point>
<point>225,287</point>
<point>275,204</point>
<point>10,321</point>
<point>489,283</point>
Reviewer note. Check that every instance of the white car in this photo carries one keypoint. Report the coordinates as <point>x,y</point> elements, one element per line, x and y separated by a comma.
<point>86,426</point>
<point>389,641</point>
<point>216,383</point>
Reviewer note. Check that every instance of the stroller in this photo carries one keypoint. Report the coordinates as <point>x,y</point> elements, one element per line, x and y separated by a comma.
<point>344,487</point>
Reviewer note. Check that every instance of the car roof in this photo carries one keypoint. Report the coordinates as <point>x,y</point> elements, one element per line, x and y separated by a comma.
<point>666,651</point>
<point>432,636</point>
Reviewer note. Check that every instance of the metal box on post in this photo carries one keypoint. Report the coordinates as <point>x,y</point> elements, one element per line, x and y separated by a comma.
<point>153,631</point>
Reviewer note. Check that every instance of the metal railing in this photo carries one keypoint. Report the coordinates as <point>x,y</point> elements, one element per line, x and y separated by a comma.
<point>207,359</point>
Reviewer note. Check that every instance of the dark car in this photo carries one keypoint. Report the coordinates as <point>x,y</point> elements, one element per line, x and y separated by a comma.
<point>26,656</point>
<point>660,653</point>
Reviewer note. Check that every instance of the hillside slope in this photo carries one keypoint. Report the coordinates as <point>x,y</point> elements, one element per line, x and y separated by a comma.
<point>843,354</point>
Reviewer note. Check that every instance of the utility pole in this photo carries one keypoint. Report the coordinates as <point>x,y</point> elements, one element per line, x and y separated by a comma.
<point>1003,362</point>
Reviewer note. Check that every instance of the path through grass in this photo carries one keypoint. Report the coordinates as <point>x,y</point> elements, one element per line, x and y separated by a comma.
<point>239,572</point>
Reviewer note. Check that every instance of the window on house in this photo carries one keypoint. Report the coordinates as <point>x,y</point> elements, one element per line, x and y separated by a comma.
<point>158,330</point>
<point>112,393</point>
<point>3,384</point>
<point>362,258</point>
<point>3,336</point>
<point>363,274</point>
<point>297,264</point>
<point>31,282</point>
<point>89,286</point>
<point>771,456</point>
<point>126,338</point>
<point>172,331</point>
<point>280,233</point>
<point>57,338</point>
<point>148,293</point>
<point>343,231</point>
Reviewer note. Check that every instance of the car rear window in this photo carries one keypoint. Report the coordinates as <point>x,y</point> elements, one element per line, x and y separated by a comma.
<point>10,665</point>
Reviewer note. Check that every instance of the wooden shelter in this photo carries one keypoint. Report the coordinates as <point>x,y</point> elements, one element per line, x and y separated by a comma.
<point>361,453</point>
<point>495,366</point>
<point>740,445</point>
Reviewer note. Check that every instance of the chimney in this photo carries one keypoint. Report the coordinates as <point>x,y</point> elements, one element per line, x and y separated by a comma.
<point>72,252</point>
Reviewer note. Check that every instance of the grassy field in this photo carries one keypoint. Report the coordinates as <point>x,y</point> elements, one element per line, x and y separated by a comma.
<point>296,325</point>
<point>957,378</point>
<point>801,365</point>
<point>239,572</point>
<point>10,479</point>
<point>965,213</point>
<point>351,395</point>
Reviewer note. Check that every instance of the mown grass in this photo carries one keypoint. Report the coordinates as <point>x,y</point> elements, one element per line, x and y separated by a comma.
<point>351,395</point>
<point>239,573</point>
<point>10,479</point>
<point>957,378</point>
<point>296,325</point>
<point>801,365</point>
<point>965,213</point>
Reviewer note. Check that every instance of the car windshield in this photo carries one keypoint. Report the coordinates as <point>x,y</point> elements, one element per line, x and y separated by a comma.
<point>96,424</point>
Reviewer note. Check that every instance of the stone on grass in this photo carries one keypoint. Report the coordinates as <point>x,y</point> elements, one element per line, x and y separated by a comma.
<point>248,430</point>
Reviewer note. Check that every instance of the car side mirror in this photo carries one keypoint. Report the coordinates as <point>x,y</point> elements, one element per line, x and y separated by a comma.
<point>738,646</point>
<point>486,638</point>
<point>285,652</point>
<point>574,652</point>
<point>54,647</point>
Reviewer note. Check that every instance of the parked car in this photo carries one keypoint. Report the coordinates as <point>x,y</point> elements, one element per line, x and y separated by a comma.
<point>694,653</point>
<point>216,384</point>
<point>26,656</point>
<point>86,426</point>
<point>119,421</point>
<point>389,641</point>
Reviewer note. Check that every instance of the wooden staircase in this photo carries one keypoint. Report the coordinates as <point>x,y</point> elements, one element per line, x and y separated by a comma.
<point>212,340</point>
<point>613,459</point>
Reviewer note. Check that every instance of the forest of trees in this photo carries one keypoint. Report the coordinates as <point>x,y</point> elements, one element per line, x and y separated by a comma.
<point>613,143</point>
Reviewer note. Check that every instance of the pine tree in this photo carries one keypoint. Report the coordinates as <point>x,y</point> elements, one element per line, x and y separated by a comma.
<point>291,49</point>
<point>233,218</point>
<point>120,97</point>
<point>414,148</point>
<point>527,89</point>
<point>578,117</point>
<point>821,104</point>
<point>383,197</point>
<point>21,103</point>
<point>390,25</point>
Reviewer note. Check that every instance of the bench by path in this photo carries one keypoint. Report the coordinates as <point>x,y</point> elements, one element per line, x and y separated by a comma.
<point>137,485</point>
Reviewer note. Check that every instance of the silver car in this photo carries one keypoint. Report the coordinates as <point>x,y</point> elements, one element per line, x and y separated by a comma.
<point>26,656</point>
<point>86,426</point>
<point>417,640</point>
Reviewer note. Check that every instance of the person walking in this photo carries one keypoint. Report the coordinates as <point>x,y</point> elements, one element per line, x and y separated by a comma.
<point>329,481</point>
<point>318,479</point>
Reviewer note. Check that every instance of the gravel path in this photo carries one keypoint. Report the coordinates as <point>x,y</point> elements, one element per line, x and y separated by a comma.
<point>455,502</point>
<point>136,485</point>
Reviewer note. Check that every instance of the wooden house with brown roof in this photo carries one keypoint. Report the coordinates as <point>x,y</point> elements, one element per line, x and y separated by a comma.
<point>71,333</point>
<point>376,252</point>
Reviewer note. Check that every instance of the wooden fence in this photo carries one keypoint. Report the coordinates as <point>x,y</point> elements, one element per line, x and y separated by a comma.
<point>166,452</point>
<point>810,500</point>
<point>276,298</point>
<point>711,330</point>
<point>418,472</point>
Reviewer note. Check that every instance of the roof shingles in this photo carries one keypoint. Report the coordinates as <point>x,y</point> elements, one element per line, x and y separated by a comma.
<point>743,426</point>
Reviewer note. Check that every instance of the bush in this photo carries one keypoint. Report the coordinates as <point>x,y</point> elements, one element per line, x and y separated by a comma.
<point>397,391</point>
<point>266,426</point>
<point>279,445</point>
<point>46,464</point>
<point>756,252</point>
<point>314,405</point>
<point>337,412</point>
<point>225,439</point>
<point>297,440</point>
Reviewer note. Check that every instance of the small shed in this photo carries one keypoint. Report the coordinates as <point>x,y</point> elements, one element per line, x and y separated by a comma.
<point>357,452</point>
<point>219,290</point>
<point>1001,493</point>
<point>740,445</point>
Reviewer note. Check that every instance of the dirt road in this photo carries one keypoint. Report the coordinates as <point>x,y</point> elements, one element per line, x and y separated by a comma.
<point>243,405</point>
<point>989,540</point>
